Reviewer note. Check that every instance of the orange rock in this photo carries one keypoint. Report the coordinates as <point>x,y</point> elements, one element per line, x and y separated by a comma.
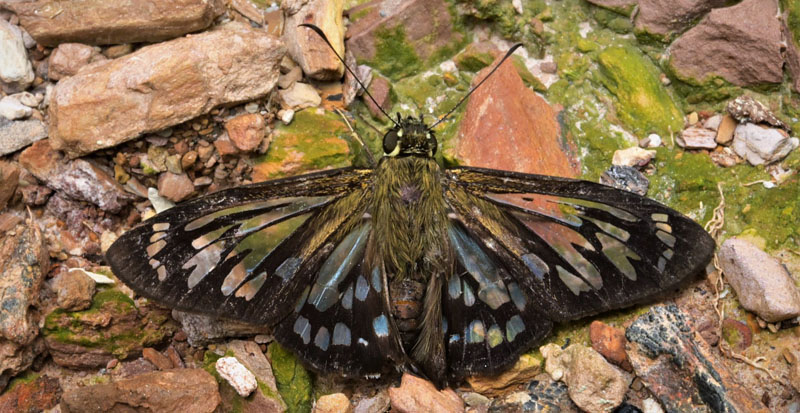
<point>246,131</point>
<point>610,342</point>
<point>419,395</point>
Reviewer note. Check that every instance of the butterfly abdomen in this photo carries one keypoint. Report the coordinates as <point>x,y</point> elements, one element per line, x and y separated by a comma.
<point>406,299</point>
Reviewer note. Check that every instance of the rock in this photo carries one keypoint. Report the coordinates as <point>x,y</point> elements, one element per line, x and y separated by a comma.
<point>313,141</point>
<point>419,395</point>
<point>9,178</point>
<point>664,20</point>
<point>248,9</point>
<point>627,178</point>
<point>593,384</point>
<point>118,50</point>
<point>351,87</point>
<point>762,284</point>
<point>68,58</point>
<point>651,141</point>
<point>39,395</point>
<point>649,405</point>
<point>620,6</point>
<point>237,375</point>
<point>697,138</point>
<point>381,91</point>
<point>16,71</point>
<point>74,289</point>
<point>299,96</point>
<point>744,41</point>
<point>161,85</point>
<point>333,403</point>
<point>524,129</point>
<point>397,37</point>
<point>79,179</point>
<point>187,390</point>
<point>286,80</point>
<point>292,379</point>
<point>378,403</point>
<point>175,187</point>
<point>201,329</point>
<point>745,109</point>
<point>725,130</point>
<point>249,354</point>
<point>713,122</point>
<point>15,135</point>
<point>642,102</point>
<point>113,327</point>
<point>679,368</point>
<point>792,35</point>
<point>246,131</point>
<point>794,375</point>
<point>286,116</point>
<point>306,47</point>
<point>12,109</point>
<point>476,56</point>
<point>159,360</point>
<point>52,22</point>
<point>25,262</point>
<point>610,343</point>
<point>760,145</point>
<point>523,371</point>
<point>633,156</point>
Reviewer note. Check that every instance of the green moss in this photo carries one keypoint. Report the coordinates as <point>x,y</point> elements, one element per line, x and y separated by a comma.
<point>527,77</point>
<point>613,20</point>
<point>294,383</point>
<point>472,60</point>
<point>25,378</point>
<point>112,323</point>
<point>312,141</point>
<point>642,102</point>
<point>792,9</point>
<point>394,56</point>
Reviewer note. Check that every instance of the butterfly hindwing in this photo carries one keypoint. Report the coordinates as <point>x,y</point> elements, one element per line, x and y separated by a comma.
<point>579,248</point>
<point>243,253</point>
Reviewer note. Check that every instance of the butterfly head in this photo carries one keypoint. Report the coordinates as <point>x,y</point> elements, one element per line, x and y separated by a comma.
<point>410,136</point>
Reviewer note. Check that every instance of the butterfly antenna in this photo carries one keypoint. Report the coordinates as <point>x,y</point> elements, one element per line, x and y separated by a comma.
<point>325,38</point>
<point>450,112</point>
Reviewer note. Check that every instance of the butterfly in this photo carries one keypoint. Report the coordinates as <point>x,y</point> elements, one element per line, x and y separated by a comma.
<point>441,272</point>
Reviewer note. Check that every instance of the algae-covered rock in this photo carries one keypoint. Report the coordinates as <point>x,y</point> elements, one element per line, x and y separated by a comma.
<point>313,141</point>
<point>264,399</point>
<point>113,327</point>
<point>642,103</point>
<point>293,380</point>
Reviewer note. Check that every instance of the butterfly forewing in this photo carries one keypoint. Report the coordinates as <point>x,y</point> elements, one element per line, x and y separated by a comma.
<point>243,253</point>
<point>579,248</point>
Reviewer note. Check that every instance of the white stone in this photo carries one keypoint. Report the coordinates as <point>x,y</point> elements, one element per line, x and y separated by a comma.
<point>633,156</point>
<point>28,99</point>
<point>299,96</point>
<point>11,109</point>
<point>762,284</point>
<point>239,377</point>
<point>160,204</point>
<point>713,122</point>
<point>16,71</point>
<point>653,140</point>
<point>286,116</point>
<point>448,66</point>
<point>650,405</point>
<point>762,145</point>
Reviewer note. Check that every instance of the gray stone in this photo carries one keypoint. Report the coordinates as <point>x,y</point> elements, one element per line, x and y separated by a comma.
<point>762,145</point>
<point>593,383</point>
<point>16,71</point>
<point>740,43</point>
<point>15,135</point>
<point>745,109</point>
<point>201,329</point>
<point>762,284</point>
<point>627,178</point>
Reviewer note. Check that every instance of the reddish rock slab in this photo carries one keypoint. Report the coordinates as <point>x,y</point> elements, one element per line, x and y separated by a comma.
<point>741,43</point>
<point>427,25</point>
<point>610,342</point>
<point>679,368</point>
<point>159,360</point>
<point>381,91</point>
<point>508,126</point>
<point>41,394</point>
<point>246,131</point>
<point>665,18</point>
<point>51,22</point>
<point>182,390</point>
<point>79,179</point>
<point>306,47</point>
<point>161,85</point>
<point>792,53</point>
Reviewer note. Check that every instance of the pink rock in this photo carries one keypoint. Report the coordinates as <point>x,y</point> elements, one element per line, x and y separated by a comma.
<point>246,131</point>
<point>667,18</point>
<point>175,187</point>
<point>419,395</point>
<point>697,138</point>
<point>741,43</point>
<point>68,58</point>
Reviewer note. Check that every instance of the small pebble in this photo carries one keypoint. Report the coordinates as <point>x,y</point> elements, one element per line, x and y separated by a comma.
<point>239,377</point>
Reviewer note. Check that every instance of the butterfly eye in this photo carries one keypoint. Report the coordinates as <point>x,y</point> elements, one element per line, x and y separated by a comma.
<point>391,142</point>
<point>432,144</point>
